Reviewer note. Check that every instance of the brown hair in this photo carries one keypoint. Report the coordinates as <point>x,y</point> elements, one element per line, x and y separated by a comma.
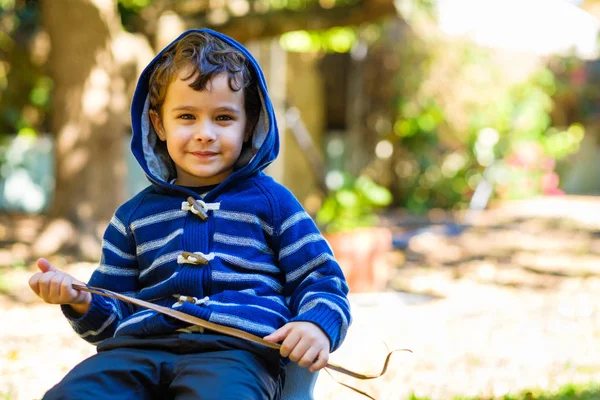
<point>208,56</point>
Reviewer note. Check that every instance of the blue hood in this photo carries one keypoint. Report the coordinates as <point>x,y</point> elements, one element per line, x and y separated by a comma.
<point>151,153</point>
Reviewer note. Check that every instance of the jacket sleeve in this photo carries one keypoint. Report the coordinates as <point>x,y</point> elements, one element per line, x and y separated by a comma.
<point>315,287</point>
<point>118,272</point>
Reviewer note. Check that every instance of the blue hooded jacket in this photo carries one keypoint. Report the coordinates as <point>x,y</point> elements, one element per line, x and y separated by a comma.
<point>255,263</point>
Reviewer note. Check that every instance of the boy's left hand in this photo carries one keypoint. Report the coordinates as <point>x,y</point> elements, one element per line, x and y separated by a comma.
<point>303,342</point>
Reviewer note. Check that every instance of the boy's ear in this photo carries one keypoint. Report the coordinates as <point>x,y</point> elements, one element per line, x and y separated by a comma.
<point>157,124</point>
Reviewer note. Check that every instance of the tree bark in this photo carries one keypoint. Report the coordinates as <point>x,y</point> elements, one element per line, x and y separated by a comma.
<point>89,118</point>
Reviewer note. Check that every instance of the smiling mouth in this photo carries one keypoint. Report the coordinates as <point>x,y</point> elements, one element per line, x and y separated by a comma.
<point>204,153</point>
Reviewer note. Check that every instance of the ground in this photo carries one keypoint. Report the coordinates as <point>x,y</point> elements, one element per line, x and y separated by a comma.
<point>511,303</point>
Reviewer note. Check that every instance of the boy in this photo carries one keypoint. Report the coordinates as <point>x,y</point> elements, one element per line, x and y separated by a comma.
<point>213,236</point>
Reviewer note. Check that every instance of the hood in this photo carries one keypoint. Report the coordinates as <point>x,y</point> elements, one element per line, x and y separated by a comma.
<point>152,154</point>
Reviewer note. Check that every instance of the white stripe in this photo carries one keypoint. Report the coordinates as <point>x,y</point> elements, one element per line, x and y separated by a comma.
<point>117,271</point>
<point>307,267</point>
<point>334,307</point>
<point>276,299</point>
<point>155,244</point>
<point>118,225</point>
<point>105,325</point>
<point>255,266</point>
<point>109,246</point>
<point>339,283</point>
<point>233,277</point>
<point>244,217</point>
<point>159,283</point>
<point>230,320</point>
<point>300,215</point>
<point>153,219</point>
<point>117,307</point>
<point>312,237</point>
<point>218,303</point>
<point>242,241</point>
<point>165,258</point>
<point>142,315</point>
<point>341,298</point>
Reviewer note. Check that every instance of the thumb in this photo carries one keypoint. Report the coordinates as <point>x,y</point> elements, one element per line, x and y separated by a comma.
<point>279,334</point>
<point>44,265</point>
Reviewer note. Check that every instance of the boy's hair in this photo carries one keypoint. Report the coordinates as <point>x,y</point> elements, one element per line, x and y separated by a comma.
<point>208,56</point>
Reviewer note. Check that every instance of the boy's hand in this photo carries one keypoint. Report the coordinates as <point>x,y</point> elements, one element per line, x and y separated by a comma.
<point>303,342</point>
<point>55,287</point>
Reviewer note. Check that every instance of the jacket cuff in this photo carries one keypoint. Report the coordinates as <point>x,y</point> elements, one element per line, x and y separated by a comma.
<point>325,318</point>
<point>99,311</point>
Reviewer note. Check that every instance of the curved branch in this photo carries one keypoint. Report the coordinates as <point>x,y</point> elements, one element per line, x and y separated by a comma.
<point>258,25</point>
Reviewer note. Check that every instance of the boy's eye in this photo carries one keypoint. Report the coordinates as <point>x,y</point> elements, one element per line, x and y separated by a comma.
<point>224,118</point>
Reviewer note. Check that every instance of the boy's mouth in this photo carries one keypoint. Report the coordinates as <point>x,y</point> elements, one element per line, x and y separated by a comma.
<point>204,153</point>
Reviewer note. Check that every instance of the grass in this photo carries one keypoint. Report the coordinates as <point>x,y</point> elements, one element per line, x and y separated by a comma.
<point>590,391</point>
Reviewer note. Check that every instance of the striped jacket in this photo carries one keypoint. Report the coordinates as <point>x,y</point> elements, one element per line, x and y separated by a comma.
<point>255,263</point>
<point>259,262</point>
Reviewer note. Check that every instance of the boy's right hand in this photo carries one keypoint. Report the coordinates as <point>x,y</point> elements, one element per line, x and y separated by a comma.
<point>56,287</point>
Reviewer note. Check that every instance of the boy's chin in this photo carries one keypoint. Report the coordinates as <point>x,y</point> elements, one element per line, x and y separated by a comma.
<point>202,179</point>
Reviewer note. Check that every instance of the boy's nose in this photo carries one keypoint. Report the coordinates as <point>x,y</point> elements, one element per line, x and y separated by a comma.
<point>205,132</point>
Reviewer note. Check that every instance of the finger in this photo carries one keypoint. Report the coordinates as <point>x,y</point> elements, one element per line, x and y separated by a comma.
<point>44,265</point>
<point>79,296</point>
<point>279,334</point>
<point>321,362</point>
<point>66,292</point>
<point>75,281</point>
<point>300,349</point>
<point>309,357</point>
<point>64,289</point>
<point>34,283</point>
<point>54,287</point>
<point>45,284</point>
<point>289,343</point>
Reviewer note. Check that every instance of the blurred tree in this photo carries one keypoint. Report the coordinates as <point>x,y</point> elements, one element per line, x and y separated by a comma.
<point>253,19</point>
<point>455,114</point>
<point>24,87</point>
<point>92,68</point>
<point>94,62</point>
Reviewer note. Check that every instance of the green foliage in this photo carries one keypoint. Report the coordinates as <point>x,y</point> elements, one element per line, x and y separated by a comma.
<point>6,395</point>
<point>129,10</point>
<point>589,391</point>
<point>429,175</point>
<point>337,39</point>
<point>528,146</point>
<point>353,205</point>
<point>24,86</point>
<point>299,5</point>
<point>445,143</point>
<point>136,5</point>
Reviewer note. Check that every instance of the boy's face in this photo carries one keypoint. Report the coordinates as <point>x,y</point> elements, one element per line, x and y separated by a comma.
<point>204,130</point>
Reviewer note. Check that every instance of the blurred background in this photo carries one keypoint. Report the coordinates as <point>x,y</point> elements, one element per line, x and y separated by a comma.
<point>448,149</point>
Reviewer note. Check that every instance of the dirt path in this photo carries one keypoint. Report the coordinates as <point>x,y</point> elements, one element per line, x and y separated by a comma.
<point>512,303</point>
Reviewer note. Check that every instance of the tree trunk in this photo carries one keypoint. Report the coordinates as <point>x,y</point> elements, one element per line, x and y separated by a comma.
<point>89,117</point>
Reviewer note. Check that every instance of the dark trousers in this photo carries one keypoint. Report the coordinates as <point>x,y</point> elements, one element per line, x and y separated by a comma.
<point>181,366</point>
